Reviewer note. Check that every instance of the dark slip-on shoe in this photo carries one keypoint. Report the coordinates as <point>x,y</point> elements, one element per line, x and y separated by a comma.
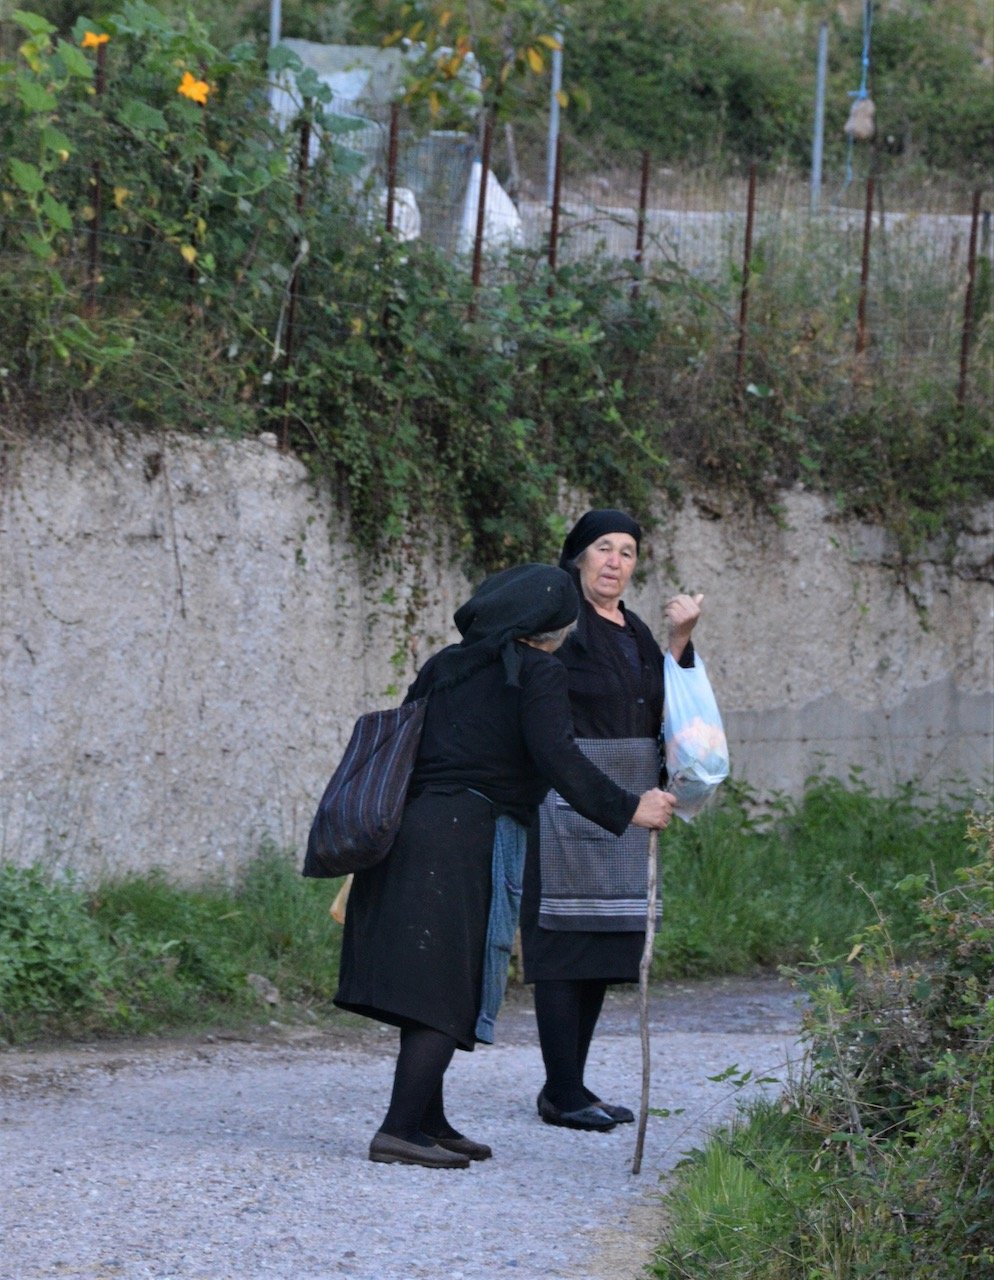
<point>466,1147</point>
<point>592,1118</point>
<point>621,1114</point>
<point>386,1149</point>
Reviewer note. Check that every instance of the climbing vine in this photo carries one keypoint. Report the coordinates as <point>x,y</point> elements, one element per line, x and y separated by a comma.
<point>420,399</point>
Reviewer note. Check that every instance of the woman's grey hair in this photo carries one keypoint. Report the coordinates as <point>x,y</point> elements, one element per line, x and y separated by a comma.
<point>542,637</point>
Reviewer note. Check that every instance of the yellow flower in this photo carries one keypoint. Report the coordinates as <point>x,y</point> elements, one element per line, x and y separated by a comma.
<point>91,40</point>
<point>195,90</point>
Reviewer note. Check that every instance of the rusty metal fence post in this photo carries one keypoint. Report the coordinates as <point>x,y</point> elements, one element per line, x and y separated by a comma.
<point>96,178</point>
<point>744,292</point>
<point>192,270</point>
<point>392,165</point>
<point>640,224</point>
<point>862,335</point>
<point>557,191</point>
<point>481,208</point>
<point>293,285</point>
<point>971,277</point>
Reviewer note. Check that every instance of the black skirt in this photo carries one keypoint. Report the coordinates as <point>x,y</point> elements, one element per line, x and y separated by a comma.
<point>416,924</point>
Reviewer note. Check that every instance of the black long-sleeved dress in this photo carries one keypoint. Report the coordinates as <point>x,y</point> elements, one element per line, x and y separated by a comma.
<point>615,678</point>
<point>415,928</point>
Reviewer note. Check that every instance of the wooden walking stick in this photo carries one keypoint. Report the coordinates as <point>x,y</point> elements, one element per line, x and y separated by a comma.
<point>645,965</point>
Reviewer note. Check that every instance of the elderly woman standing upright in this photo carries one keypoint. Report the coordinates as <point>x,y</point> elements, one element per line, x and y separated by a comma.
<point>583,909</point>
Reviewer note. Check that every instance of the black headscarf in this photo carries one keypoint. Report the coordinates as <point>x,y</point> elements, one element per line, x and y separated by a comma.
<point>593,526</point>
<point>507,606</point>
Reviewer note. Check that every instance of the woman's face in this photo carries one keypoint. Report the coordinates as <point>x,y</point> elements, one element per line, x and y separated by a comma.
<point>605,568</point>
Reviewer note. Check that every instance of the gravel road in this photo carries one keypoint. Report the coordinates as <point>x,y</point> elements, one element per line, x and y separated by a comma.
<point>244,1158</point>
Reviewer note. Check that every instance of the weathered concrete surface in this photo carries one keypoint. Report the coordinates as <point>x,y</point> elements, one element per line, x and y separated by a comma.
<point>186,637</point>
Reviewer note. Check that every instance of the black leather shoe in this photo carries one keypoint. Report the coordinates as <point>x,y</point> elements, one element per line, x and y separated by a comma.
<point>466,1147</point>
<point>621,1114</point>
<point>593,1118</point>
<point>386,1149</point>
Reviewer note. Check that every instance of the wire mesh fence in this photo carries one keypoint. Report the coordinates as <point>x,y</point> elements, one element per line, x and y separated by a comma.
<point>896,287</point>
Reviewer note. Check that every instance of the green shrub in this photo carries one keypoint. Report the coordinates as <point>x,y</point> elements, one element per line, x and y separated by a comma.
<point>427,404</point>
<point>932,90</point>
<point>693,86</point>
<point>54,959</point>
<point>879,1160</point>
<point>283,929</point>
<point>139,954</point>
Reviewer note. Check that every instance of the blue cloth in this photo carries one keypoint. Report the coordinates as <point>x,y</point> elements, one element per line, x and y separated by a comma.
<point>507,870</point>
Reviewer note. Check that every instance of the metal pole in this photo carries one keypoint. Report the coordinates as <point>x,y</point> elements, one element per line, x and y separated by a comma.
<point>554,216</point>
<point>392,164</point>
<point>93,255</point>
<point>744,295</point>
<point>291,318</point>
<point>864,271</point>
<point>971,276</point>
<point>640,226</point>
<point>557,84</point>
<point>275,24</point>
<point>481,208</point>
<point>818,142</point>
<point>192,270</point>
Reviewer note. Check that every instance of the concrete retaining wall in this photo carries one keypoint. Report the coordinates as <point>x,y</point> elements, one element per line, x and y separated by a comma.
<point>186,636</point>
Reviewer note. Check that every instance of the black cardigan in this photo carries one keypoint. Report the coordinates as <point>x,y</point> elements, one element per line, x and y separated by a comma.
<point>511,744</point>
<point>608,698</point>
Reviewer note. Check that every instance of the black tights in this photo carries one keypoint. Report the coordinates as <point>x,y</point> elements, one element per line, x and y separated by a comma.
<point>417,1110</point>
<point>566,1012</point>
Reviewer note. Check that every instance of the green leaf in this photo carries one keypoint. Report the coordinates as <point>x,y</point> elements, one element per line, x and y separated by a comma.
<point>39,247</point>
<point>343,124</point>
<point>142,118</point>
<point>33,23</point>
<point>53,139</point>
<point>347,162</point>
<point>56,212</point>
<point>217,167</point>
<point>283,59</point>
<point>27,177</point>
<point>309,86</point>
<point>34,96</point>
<point>75,61</point>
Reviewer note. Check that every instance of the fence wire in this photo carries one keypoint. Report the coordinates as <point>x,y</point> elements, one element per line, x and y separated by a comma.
<point>899,287</point>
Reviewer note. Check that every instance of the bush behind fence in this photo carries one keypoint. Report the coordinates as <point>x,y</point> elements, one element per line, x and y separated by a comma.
<point>172,249</point>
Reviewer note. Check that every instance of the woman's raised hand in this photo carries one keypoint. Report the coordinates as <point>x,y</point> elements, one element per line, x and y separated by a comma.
<point>654,810</point>
<point>681,613</point>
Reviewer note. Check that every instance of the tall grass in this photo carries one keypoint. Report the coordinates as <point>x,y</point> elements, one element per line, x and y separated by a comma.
<point>742,892</point>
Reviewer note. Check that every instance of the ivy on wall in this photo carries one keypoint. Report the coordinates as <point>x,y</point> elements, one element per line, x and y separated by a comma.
<point>416,396</point>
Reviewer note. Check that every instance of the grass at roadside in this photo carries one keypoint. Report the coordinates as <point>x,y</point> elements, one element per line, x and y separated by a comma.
<point>141,954</point>
<point>742,892</point>
<point>878,1160</point>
